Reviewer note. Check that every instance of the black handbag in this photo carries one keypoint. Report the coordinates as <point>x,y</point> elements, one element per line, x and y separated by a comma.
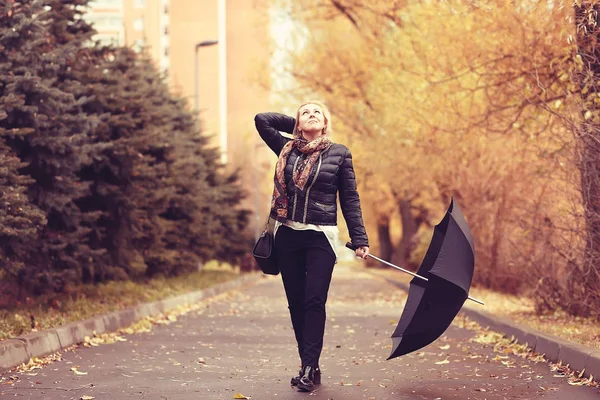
<point>263,252</point>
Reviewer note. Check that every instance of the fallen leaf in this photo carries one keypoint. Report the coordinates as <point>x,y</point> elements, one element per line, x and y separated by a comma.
<point>240,396</point>
<point>78,372</point>
<point>86,397</point>
<point>443,362</point>
<point>446,347</point>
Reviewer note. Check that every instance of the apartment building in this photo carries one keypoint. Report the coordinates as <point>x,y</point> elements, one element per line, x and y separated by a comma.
<point>137,23</point>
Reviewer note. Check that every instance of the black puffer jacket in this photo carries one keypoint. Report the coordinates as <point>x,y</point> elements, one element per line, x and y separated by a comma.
<point>332,172</point>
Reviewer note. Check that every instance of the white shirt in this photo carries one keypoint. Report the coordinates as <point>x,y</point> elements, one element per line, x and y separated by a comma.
<point>331,231</point>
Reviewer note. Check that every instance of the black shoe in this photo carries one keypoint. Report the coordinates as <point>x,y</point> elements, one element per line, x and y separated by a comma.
<point>296,379</point>
<point>310,377</point>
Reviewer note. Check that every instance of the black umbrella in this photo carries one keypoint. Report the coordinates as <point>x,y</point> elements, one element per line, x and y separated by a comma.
<point>440,286</point>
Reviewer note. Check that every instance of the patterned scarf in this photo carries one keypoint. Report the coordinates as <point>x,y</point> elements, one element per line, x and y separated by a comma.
<point>313,149</point>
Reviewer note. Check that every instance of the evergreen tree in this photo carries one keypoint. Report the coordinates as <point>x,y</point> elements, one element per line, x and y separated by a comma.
<point>115,99</point>
<point>19,220</point>
<point>202,220</point>
<point>189,220</point>
<point>104,174</point>
<point>232,222</point>
<point>55,130</point>
<point>83,77</point>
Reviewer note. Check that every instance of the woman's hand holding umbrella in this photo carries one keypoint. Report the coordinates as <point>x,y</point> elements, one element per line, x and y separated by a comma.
<point>362,252</point>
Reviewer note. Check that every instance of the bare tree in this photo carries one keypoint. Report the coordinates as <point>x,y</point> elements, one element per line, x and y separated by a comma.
<point>585,281</point>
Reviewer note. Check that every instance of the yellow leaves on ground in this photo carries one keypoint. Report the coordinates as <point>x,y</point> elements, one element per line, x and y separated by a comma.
<point>105,338</point>
<point>488,337</point>
<point>86,397</point>
<point>38,362</point>
<point>77,372</point>
<point>10,380</point>
<point>510,346</point>
<point>442,362</point>
<point>573,378</point>
<point>240,396</point>
<point>342,383</point>
<point>141,326</point>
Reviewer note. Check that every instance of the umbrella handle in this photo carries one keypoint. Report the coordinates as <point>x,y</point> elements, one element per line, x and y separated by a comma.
<point>353,247</point>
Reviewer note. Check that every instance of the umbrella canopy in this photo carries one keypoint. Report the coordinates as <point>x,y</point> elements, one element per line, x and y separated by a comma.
<point>433,304</point>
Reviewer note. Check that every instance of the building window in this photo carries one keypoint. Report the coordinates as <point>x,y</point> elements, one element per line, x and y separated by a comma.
<point>104,22</point>
<point>140,3</point>
<point>138,24</point>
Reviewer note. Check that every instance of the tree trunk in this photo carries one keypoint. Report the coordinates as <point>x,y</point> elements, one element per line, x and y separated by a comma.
<point>585,282</point>
<point>496,240</point>
<point>409,230</point>
<point>386,247</point>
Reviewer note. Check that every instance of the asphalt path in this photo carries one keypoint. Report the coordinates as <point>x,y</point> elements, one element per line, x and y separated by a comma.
<point>242,343</point>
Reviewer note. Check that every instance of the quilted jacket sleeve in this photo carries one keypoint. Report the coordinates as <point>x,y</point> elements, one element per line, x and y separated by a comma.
<point>269,125</point>
<point>350,202</point>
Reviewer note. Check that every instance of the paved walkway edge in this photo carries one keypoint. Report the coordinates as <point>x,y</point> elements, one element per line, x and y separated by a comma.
<point>579,357</point>
<point>14,352</point>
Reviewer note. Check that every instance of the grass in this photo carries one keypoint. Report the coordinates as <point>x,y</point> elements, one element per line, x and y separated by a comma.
<point>86,301</point>
<point>585,331</point>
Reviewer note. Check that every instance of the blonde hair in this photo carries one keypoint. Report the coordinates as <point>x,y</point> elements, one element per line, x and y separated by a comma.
<point>327,130</point>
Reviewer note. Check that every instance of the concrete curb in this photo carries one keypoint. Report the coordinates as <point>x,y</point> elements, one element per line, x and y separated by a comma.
<point>580,358</point>
<point>14,352</point>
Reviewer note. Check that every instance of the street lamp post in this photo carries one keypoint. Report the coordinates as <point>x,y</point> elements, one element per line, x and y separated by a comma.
<point>205,43</point>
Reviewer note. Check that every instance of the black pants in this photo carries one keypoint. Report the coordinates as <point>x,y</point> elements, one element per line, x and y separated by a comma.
<point>306,262</point>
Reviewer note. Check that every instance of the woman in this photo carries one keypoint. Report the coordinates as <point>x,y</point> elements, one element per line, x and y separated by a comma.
<point>309,173</point>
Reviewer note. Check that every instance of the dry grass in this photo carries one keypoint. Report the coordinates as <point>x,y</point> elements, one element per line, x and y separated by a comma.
<point>521,310</point>
<point>585,331</point>
<point>88,300</point>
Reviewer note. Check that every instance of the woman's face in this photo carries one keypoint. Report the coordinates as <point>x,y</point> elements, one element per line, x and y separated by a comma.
<point>311,119</point>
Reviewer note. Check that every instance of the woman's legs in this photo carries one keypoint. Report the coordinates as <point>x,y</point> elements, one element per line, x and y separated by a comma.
<point>319,268</point>
<point>291,260</point>
<point>306,262</point>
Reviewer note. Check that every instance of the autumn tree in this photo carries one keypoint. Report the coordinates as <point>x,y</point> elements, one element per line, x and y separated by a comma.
<point>453,99</point>
<point>584,284</point>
